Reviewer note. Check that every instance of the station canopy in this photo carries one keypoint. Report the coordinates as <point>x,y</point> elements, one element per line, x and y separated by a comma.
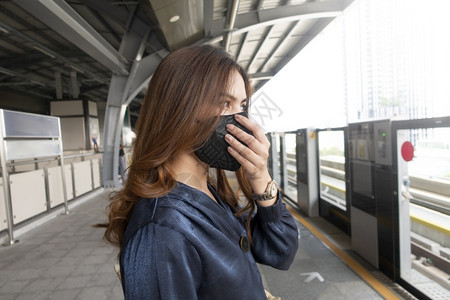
<point>73,49</point>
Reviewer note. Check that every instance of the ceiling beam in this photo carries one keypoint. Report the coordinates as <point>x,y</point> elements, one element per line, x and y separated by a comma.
<point>261,76</point>
<point>244,42</point>
<point>6,50</point>
<point>33,44</point>
<point>233,6</point>
<point>260,47</point>
<point>63,19</point>
<point>279,45</point>
<point>19,83</point>
<point>266,17</point>
<point>24,22</point>
<point>26,77</point>
<point>19,61</point>
<point>208,16</point>
<point>259,84</point>
<point>120,15</point>
<point>105,24</point>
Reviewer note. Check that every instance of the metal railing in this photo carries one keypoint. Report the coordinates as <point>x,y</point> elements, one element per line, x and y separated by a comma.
<point>89,164</point>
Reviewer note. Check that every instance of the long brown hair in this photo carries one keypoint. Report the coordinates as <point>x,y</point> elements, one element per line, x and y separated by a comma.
<point>179,113</point>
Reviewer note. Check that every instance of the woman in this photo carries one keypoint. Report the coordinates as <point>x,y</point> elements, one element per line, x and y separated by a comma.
<point>181,232</point>
<point>122,163</point>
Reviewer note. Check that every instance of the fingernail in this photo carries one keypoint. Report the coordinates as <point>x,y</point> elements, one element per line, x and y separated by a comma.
<point>230,126</point>
<point>228,137</point>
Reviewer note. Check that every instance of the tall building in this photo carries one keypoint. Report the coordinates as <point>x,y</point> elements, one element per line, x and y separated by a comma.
<point>390,64</point>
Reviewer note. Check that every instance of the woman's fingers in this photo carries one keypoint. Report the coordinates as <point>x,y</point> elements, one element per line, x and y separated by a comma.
<point>243,154</point>
<point>246,164</point>
<point>249,140</point>
<point>257,142</point>
<point>250,151</point>
<point>254,128</point>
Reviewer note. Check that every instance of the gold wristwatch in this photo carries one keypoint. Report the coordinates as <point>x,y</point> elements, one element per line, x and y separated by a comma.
<point>270,192</point>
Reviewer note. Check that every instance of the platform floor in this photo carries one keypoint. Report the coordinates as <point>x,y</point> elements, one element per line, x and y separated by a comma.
<point>316,273</point>
<point>66,258</point>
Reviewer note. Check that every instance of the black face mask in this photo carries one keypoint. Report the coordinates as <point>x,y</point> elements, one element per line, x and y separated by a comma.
<point>214,152</point>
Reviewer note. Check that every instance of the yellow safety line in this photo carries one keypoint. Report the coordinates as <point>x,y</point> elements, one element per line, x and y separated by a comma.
<point>430,224</point>
<point>362,272</point>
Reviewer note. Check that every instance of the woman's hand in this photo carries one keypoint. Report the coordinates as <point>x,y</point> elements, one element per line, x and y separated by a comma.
<point>252,156</point>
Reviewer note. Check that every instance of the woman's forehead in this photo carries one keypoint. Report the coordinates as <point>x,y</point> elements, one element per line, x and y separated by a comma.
<point>237,86</point>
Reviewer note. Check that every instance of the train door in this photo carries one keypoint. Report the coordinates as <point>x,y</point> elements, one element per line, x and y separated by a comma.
<point>370,160</point>
<point>306,159</point>
<point>299,170</point>
<point>363,203</point>
<point>333,176</point>
<point>422,204</point>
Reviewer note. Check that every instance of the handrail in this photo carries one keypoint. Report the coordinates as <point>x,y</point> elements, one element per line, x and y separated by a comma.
<point>26,162</point>
<point>39,160</point>
<point>80,155</point>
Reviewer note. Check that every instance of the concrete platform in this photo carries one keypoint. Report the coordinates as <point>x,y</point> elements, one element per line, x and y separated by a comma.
<point>317,273</point>
<point>66,258</point>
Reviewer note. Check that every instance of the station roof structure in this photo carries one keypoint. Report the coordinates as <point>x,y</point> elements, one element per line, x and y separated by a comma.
<point>73,49</point>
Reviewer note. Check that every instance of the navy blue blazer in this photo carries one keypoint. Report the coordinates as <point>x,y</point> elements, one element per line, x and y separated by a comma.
<point>186,246</point>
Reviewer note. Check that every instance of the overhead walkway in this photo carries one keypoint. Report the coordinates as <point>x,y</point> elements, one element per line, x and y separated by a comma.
<point>66,258</point>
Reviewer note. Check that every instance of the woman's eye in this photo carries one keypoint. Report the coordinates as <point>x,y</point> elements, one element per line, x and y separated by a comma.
<point>226,104</point>
<point>244,106</point>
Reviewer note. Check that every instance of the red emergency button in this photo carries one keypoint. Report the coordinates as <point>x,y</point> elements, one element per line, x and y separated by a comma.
<point>407,151</point>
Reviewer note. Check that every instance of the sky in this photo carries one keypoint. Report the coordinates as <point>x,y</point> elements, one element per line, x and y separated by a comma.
<point>309,90</point>
<point>305,98</point>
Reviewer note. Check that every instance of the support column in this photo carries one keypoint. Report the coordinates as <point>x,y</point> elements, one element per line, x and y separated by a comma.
<point>122,90</point>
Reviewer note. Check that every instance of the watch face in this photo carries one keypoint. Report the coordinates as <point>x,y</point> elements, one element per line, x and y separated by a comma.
<point>273,190</point>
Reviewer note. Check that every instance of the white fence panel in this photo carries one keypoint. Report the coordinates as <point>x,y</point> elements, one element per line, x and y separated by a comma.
<point>28,197</point>
<point>55,188</point>
<point>3,222</point>
<point>96,172</point>
<point>69,181</point>
<point>83,177</point>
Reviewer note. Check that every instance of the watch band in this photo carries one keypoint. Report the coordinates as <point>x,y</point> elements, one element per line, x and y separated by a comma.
<point>270,192</point>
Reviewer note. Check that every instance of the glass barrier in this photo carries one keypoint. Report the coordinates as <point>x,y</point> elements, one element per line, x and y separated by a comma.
<point>291,165</point>
<point>332,167</point>
<point>424,208</point>
<point>279,170</point>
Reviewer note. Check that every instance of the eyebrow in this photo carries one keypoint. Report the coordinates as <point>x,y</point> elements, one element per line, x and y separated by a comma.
<point>232,97</point>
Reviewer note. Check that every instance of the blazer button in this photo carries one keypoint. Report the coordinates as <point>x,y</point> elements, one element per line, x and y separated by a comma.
<point>245,245</point>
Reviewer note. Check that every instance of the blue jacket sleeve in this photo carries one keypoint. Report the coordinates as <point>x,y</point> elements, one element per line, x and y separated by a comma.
<point>274,235</point>
<point>167,269</point>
